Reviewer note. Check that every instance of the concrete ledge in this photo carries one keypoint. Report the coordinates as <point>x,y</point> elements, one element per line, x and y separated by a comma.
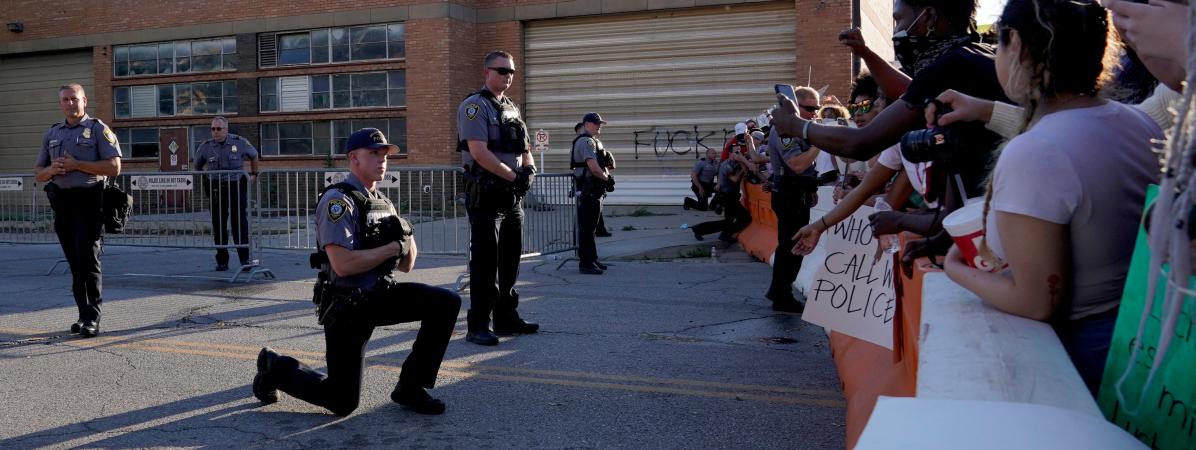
<point>970,351</point>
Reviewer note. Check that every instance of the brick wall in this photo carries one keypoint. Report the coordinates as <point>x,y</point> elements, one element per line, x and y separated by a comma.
<point>444,60</point>
<point>818,25</point>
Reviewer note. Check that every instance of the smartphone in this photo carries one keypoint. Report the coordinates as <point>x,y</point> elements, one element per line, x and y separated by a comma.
<point>787,91</point>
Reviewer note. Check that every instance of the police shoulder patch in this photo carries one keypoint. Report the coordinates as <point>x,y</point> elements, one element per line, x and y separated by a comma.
<point>109,135</point>
<point>471,110</point>
<point>337,208</point>
<point>787,142</point>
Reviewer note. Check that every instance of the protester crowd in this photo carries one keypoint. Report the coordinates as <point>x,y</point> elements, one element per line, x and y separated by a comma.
<point>1048,137</point>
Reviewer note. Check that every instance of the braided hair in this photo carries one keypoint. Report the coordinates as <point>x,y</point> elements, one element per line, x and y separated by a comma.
<point>1064,44</point>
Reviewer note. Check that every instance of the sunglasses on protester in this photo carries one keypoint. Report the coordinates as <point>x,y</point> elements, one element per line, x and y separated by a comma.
<point>860,108</point>
<point>502,70</point>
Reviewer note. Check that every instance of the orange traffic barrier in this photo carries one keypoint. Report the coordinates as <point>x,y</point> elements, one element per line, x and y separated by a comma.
<point>759,239</point>
<point>866,370</point>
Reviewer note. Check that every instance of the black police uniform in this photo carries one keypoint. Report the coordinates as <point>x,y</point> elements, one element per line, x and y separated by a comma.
<point>351,307</point>
<point>792,196</point>
<point>495,211</point>
<point>228,193</point>
<point>75,198</point>
<point>589,199</point>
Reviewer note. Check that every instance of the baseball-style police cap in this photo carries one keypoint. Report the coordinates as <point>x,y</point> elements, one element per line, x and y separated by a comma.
<point>593,118</point>
<point>371,138</point>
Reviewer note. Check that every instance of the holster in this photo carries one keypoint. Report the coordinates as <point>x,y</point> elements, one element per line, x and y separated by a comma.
<point>485,190</point>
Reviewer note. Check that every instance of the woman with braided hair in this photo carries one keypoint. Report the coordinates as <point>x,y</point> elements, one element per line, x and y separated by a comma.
<point>1064,201</point>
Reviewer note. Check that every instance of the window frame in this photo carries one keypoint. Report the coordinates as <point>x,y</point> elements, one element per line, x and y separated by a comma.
<point>177,100</point>
<point>347,44</point>
<point>122,56</point>
<point>332,92</point>
<point>325,133</point>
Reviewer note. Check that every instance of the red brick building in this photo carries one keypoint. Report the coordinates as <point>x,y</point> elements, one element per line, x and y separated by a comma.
<point>671,76</point>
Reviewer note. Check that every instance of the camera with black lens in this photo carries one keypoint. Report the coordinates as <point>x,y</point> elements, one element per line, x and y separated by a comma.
<point>932,144</point>
<point>938,144</point>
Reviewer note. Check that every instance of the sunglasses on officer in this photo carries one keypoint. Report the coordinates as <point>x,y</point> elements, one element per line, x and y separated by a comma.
<point>502,70</point>
<point>809,108</point>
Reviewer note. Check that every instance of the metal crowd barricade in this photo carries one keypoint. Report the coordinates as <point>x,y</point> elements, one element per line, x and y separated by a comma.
<point>432,198</point>
<point>25,215</point>
<point>550,216</point>
<point>176,210</point>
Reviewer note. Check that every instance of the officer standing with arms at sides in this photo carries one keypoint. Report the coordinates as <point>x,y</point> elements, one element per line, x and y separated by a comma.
<point>77,156</point>
<point>794,191</point>
<point>593,183</point>
<point>606,160</point>
<point>499,168</point>
<point>362,240</point>
<point>228,193</point>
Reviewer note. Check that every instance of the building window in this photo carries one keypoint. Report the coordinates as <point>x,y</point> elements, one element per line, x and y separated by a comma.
<point>335,45</point>
<point>139,142</point>
<point>179,99</point>
<point>120,102</point>
<point>165,58</point>
<point>294,49</point>
<point>339,91</point>
<point>322,138</point>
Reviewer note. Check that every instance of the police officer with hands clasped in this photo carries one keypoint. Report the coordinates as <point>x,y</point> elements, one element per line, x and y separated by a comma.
<point>76,157</point>
<point>362,240</point>
<point>228,193</point>
<point>496,152</point>
<point>593,182</point>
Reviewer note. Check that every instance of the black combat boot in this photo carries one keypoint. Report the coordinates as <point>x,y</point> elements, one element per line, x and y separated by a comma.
<point>263,389</point>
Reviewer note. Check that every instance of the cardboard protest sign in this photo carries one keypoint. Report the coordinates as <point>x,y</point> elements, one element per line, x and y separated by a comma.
<point>1164,416</point>
<point>849,293</point>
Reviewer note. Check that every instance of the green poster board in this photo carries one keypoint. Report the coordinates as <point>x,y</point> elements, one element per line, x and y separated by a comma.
<point>1166,416</point>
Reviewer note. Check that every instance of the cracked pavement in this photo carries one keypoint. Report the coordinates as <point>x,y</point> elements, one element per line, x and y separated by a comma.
<point>654,354</point>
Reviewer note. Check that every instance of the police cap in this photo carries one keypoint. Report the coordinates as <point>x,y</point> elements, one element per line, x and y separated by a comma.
<point>371,138</point>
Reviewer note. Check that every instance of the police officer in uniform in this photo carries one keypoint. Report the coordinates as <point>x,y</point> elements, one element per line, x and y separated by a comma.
<point>362,240</point>
<point>76,157</point>
<point>228,193</point>
<point>735,216</point>
<point>593,182</point>
<point>496,152</point>
<point>794,191</point>
<point>702,181</point>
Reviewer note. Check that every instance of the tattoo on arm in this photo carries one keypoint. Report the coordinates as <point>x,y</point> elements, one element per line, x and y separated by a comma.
<point>1055,288</point>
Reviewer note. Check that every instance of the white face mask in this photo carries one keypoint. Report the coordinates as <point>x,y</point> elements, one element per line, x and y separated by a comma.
<point>905,32</point>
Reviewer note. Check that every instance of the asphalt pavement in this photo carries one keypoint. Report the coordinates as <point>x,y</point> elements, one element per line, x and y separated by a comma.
<point>670,349</point>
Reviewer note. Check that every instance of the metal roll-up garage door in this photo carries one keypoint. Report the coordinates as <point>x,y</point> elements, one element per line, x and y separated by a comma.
<point>29,101</point>
<point>675,81</point>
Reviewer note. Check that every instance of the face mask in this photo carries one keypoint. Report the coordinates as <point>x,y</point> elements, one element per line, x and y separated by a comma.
<point>907,48</point>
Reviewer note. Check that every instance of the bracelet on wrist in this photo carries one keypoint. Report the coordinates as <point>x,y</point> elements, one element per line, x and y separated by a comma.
<point>824,225</point>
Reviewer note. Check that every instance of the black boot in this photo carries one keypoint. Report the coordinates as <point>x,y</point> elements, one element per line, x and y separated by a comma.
<point>263,389</point>
<point>514,325</point>
<point>417,399</point>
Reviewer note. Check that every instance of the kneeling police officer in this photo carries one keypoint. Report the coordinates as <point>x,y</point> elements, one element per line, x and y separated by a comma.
<point>361,240</point>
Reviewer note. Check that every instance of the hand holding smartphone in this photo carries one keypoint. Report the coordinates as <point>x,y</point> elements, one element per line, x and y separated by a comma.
<point>787,91</point>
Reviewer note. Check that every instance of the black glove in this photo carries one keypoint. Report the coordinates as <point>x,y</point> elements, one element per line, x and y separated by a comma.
<point>610,183</point>
<point>524,176</point>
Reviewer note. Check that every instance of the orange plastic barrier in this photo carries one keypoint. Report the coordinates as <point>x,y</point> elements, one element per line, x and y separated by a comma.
<point>760,238</point>
<point>867,370</point>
